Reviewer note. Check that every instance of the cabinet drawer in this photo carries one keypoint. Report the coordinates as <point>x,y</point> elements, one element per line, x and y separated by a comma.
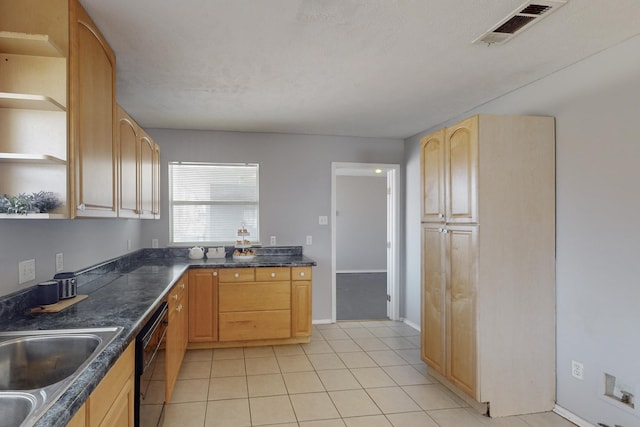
<point>255,325</point>
<point>254,296</point>
<point>176,294</point>
<point>265,274</point>
<point>236,275</point>
<point>300,273</point>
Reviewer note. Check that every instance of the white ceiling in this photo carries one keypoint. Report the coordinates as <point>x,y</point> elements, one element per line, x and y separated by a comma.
<point>376,68</point>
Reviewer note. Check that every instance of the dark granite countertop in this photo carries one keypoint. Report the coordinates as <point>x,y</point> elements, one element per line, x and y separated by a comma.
<point>122,292</point>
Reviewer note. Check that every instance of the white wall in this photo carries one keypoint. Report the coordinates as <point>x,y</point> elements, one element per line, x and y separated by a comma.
<point>295,185</point>
<point>361,223</point>
<point>83,242</point>
<point>597,106</point>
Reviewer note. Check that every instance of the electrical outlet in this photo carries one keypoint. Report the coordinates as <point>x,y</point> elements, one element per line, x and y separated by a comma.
<point>323,220</point>
<point>26,271</point>
<point>309,240</point>
<point>272,240</point>
<point>128,244</point>
<point>154,243</point>
<point>577,370</point>
<point>59,262</point>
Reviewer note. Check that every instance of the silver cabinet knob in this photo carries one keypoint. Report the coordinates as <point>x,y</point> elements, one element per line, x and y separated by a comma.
<point>302,274</point>
<point>215,274</point>
<point>273,274</point>
<point>81,207</point>
<point>175,297</point>
<point>440,215</point>
<point>236,275</point>
<point>181,285</point>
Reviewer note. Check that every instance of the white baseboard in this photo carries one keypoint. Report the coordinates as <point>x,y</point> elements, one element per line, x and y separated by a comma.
<point>564,413</point>
<point>321,321</point>
<point>413,325</point>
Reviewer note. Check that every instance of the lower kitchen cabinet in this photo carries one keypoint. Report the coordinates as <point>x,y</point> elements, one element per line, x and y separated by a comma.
<point>301,301</point>
<point>177,333</point>
<point>240,306</point>
<point>80,418</point>
<point>112,402</point>
<point>203,305</point>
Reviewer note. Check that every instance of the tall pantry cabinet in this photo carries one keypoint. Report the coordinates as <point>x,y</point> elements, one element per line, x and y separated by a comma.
<point>488,260</point>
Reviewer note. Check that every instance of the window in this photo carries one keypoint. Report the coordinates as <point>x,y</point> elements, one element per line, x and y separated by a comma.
<point>209,202</point>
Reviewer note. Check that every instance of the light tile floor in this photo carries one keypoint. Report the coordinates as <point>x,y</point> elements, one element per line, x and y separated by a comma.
<point>351,374</point>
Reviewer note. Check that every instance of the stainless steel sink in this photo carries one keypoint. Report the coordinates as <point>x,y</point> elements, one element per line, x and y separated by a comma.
<point>38,361</point>
<point>15,408</point>
<point>36,367</point>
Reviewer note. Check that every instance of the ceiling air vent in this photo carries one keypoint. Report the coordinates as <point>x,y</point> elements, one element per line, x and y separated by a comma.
<point>522,18</point>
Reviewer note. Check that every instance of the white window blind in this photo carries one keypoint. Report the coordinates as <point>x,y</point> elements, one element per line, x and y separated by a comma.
<point>209,202</point>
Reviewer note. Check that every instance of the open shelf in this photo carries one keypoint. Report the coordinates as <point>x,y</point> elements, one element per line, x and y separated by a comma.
<point>28,44</point>
<point>32,216</point>
<point>29,102</point>
<point>30,158</point>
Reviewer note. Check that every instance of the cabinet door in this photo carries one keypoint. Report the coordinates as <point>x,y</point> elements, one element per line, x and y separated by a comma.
<point>121,412</point>
<point>128,158</point>
<point>156,181</point>
<point>433,297</point>
<point>301,308</point>
<point>146,176</point>
<point>462,171</point>
<point>111,403</point>
<point>80,418</point>
<point>433,177</point>
<point>184,319</point>
<point>172,351</point>
<point>462,262</point>
<point>177,333</point>
<point>203,305</point>
<point>92,118</point>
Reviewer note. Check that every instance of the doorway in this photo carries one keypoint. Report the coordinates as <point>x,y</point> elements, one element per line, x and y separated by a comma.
<point>364,231</point>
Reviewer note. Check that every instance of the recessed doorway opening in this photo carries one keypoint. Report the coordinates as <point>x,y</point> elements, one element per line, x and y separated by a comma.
<point>364,231</point>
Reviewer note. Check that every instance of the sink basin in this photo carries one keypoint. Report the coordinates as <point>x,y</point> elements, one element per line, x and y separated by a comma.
<point>38,361</point>
<point>15,408</point>
<point>36,367</point>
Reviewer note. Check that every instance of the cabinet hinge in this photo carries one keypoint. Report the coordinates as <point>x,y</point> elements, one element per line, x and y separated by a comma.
<point>388,297</point>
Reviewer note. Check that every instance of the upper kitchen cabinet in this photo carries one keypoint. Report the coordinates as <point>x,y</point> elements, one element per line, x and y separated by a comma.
<point>92,118</point>
<point>128,137</point>
<point>449,174</point>
<point>60,130</point>
<point>461,172</point>
<point>147,147</point>
<point>156,181</point>
<point>139,170</point>
<point>33,98</point>
<point>433,177</point>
